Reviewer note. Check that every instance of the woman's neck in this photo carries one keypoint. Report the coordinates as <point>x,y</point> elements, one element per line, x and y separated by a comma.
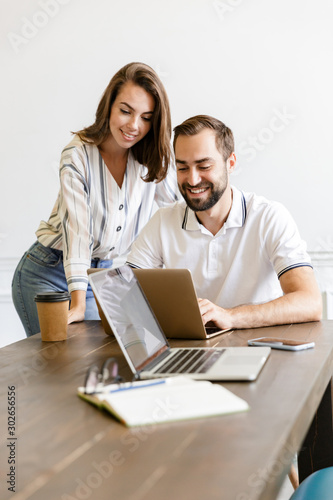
<point>115,158</point>
<point>111,149</point>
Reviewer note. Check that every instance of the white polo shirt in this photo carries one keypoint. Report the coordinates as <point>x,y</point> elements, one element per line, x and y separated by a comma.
<point>241,264</point>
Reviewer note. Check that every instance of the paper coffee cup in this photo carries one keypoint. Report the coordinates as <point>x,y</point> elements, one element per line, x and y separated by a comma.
<point>52,310</point>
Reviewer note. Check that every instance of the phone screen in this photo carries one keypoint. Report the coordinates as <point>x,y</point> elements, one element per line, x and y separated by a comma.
<point>290,342</point>
<point>287,344</point>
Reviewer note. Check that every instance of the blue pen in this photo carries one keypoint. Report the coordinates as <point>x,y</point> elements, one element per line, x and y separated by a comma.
<point>129,388</point>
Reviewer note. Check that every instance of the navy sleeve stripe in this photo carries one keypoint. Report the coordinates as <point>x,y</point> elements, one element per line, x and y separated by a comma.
<point>294,266</point>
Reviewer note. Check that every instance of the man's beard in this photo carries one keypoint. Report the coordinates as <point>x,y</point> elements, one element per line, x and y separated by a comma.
<point>199,205</point>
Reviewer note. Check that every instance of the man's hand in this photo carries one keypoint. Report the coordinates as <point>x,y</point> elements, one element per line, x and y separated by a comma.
<point>78,306</point>
<point>219,316</point>
<point>300,302</point>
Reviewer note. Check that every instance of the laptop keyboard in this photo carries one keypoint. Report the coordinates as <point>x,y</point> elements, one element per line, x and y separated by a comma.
<point>191,361</point>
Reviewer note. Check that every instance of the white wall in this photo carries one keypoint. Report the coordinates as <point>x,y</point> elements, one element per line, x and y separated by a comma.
<point>262,67</point>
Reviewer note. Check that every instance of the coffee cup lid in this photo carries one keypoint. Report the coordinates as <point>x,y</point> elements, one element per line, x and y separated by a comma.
<point>52,297</point>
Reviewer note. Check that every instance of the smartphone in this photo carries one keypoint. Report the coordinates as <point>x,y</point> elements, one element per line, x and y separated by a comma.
<point>286,344</point>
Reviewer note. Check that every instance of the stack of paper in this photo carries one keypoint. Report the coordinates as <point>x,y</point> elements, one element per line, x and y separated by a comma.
<point>165,400</point>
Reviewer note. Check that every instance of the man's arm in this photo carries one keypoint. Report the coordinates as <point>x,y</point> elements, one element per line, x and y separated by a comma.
<point>300,303</point>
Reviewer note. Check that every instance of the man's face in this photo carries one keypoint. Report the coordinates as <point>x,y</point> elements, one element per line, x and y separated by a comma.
<point>202,173</point>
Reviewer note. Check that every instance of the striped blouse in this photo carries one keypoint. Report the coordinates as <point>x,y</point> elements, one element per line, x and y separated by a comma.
<point>93,217</point>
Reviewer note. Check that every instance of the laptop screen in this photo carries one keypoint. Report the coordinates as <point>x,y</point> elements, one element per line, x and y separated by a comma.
<point>127,310</point>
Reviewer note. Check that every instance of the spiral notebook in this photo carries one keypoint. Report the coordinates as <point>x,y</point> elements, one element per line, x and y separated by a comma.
<point>164,400</point>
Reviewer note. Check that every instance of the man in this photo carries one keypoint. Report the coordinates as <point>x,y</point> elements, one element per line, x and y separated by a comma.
<point>248,262</point>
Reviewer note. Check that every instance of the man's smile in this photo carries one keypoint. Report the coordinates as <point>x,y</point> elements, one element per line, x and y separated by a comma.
<point>197,190</point>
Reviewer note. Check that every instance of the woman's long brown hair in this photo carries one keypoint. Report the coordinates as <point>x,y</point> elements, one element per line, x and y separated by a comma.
<point>154,150</point>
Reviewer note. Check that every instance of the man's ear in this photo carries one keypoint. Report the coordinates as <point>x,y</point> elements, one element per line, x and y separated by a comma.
<point>231,163</point>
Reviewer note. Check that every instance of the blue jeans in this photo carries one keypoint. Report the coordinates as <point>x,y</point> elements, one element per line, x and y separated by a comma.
<point>41,270</point>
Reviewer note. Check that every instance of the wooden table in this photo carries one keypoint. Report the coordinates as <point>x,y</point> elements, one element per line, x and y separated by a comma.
<point>66,449</point>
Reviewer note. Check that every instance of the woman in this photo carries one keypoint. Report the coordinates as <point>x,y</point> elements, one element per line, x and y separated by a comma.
<point>111,175</point>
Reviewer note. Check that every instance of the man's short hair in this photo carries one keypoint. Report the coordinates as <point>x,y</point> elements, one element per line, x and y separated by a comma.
<point>192,126</point>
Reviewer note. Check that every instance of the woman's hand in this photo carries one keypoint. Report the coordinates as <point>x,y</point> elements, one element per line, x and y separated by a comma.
<point>78,306</point>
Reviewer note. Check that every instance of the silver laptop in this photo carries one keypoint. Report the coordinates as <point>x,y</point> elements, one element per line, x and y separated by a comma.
<point>145,346</point>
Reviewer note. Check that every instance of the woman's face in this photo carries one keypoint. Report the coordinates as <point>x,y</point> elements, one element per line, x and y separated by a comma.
<point>131,115</point>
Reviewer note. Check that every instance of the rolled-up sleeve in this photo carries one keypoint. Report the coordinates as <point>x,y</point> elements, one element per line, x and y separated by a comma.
<point>75,215</point>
